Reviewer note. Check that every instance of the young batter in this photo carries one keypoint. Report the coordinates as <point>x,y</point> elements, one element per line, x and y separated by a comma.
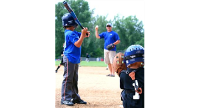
<point>71,58</point>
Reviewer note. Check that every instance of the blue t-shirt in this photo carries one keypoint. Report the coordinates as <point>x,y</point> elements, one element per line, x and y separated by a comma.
<point>70,50</point>
<point>109,38</point>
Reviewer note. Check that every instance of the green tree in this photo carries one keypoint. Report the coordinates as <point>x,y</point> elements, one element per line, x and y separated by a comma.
<point>130,31</point>
<point>95,46</point>
<point>142,41</point>
<point>81,9</point>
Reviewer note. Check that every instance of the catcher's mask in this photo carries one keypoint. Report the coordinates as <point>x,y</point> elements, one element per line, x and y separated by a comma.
<point>134,53</point>
<point>68,20</point>
<point>118,63</point>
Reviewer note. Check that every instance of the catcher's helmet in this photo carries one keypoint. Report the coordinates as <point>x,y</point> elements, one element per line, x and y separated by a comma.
<point>134,53</point>
<point>68,20</point>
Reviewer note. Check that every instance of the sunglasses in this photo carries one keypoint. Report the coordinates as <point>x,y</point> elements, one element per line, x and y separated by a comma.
<point>108,26</point>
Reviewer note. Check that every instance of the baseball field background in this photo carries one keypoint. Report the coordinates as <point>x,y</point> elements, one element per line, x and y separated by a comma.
<point>94,86</point>
<point>98,90</point>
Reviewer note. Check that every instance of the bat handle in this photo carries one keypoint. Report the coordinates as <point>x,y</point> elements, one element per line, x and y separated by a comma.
<point>83,28</point>
<point>136,96</point>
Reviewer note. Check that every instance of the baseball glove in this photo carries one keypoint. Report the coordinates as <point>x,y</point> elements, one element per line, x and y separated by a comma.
<point>110,47</point>
<point>118,64</point>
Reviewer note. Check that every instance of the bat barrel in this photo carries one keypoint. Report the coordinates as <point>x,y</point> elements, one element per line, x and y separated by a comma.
<point>64,2</point>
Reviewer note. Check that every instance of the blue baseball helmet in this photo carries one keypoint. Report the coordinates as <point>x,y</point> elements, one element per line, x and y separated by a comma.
<point>68,20</point>
<point>134,53</point>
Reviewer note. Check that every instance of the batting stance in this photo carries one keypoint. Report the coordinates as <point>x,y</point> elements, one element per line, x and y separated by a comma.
<point>129,67</point>
<point>71,58</point>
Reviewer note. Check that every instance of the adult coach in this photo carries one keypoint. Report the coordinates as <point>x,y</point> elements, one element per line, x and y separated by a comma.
<point>71,59</point>
<point>110,38</point>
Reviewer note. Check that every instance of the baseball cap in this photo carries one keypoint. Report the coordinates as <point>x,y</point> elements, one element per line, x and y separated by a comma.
<point>109,24</point>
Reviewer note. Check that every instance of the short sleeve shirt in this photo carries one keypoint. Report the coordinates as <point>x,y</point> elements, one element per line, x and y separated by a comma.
<point>70,50</point>
<point>109,38</point>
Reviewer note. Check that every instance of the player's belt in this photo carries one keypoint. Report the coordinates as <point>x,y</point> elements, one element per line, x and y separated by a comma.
<point>129,91</point>
<point>126,72</point>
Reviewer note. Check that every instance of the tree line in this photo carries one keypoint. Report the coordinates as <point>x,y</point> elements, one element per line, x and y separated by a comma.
<point>129,29</point>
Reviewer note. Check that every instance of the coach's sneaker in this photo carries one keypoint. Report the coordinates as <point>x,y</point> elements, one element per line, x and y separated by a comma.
<point>108,75</point>
<point>79,101</point>
<point>112,75</point>
<point>69,103</point>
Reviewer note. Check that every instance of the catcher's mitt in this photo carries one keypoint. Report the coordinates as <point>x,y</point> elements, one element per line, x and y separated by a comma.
<point>110,47</point>
<point>118,64</point>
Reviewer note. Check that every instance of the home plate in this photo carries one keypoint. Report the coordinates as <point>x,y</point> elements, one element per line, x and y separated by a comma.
<point>121,106</point>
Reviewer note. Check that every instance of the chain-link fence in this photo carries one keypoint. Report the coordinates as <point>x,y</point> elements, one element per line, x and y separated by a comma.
<point>93,58</point>
<point>84,59</point>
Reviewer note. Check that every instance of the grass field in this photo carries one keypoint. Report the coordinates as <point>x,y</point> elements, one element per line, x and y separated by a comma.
<point>91,63</point>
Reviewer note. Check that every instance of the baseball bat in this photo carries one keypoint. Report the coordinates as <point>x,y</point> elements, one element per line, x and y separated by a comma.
<point>136,86</point>
<point>72,13</point>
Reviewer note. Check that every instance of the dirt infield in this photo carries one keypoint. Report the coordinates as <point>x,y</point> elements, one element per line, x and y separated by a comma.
<point>98,90</point>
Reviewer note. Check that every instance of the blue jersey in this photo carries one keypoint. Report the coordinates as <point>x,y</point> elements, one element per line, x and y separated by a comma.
<point>109,38</point>
<point>70,50</point>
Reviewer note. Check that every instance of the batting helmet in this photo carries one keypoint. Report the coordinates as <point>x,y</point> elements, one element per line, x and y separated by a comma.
<point>68,20</point>
<point>134,53</point>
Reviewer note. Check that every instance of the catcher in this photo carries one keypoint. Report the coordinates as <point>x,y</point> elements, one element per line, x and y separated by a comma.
<point>111,39</point>
<point>129,67</point>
